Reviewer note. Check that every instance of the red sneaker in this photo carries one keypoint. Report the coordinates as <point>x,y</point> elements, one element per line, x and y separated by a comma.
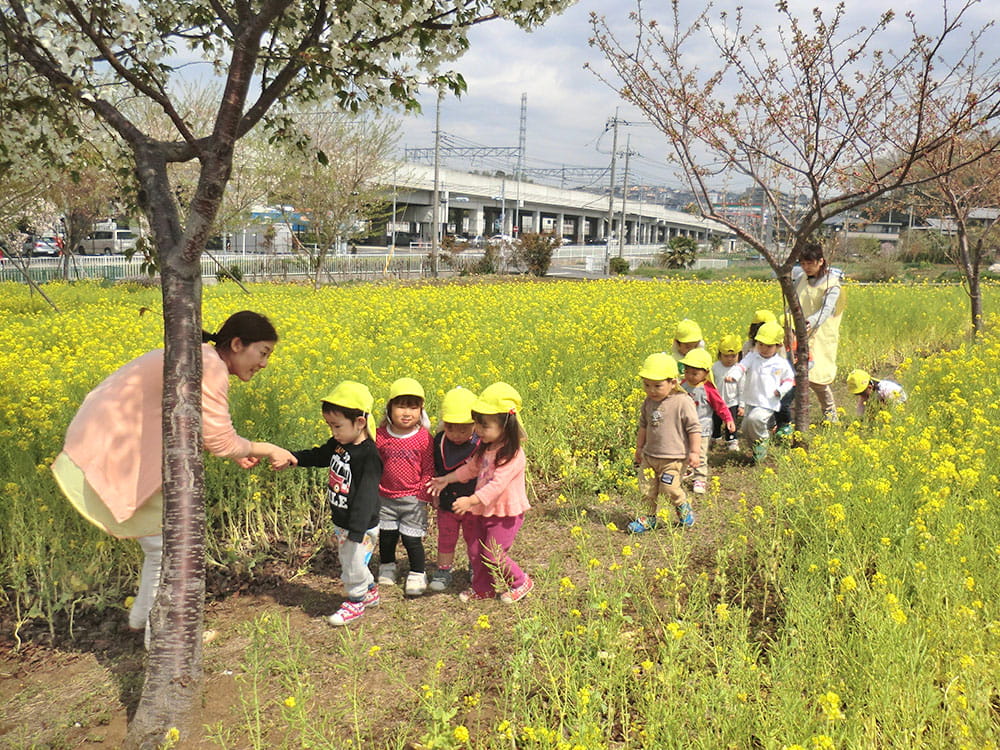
<point>470,595</point>
<point>518,592</point>
<point>371,597</point>
<point>348,612</point>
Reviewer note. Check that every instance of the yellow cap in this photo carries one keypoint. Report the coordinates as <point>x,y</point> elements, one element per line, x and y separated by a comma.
<point>698,358</point>
<point>354,395</point>
<point>857,381</point>
<point>659,366</point>
<point>498,398</point>
<point>405,387</point>
<point>456,406</point>
<point>730,344</point>
<point>764,316</point>
<point>688,332</point>
<point>770,333</point>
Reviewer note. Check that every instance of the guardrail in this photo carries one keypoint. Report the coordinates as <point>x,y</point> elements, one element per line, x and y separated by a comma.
<point>253,267</point>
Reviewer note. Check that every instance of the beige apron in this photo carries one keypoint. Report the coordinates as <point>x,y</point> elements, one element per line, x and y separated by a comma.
<point>823,341</point>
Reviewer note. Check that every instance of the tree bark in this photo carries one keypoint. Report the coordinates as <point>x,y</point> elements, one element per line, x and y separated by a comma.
<point>174,668</point>
<point>800,350</point>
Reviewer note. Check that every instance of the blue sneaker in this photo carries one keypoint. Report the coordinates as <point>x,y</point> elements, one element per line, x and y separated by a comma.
<point>685,515</point>
<point>641,524</point>
<point>785,431</point>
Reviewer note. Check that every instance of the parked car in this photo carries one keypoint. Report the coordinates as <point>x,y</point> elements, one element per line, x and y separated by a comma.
<point>107,241</point>
<point>45,245</point>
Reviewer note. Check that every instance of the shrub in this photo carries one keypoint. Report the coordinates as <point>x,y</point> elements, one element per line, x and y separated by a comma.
<point>619,266</point>
<point>679,252</point>
<point>534,252</point>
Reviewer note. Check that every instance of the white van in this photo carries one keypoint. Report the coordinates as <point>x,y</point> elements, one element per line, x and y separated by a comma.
<point>107,241</point>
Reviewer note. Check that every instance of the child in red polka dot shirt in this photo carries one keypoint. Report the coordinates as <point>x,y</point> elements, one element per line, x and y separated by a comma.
<point>407,450</point>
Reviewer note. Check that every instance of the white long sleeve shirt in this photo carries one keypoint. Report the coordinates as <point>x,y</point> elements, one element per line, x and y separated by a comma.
<point>765,380</point>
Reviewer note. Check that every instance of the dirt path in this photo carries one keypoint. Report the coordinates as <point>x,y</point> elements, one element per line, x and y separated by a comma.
<point>77,693</point>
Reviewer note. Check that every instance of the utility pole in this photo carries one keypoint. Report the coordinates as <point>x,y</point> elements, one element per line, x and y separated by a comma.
<point>611,195</point>
<point>436,208</point>
<point>519,173</point>
<point>621,224</point>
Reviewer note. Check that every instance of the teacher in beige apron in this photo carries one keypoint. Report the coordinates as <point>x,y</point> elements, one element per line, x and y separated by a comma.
<point>818,287</point>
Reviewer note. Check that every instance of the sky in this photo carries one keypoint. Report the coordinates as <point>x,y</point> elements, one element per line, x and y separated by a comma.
<point>568,107</point>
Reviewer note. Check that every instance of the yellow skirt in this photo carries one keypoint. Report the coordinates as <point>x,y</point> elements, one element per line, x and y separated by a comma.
<point>146,521</point>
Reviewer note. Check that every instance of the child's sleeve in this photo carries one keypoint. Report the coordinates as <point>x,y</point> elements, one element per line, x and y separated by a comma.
<point>318,455</point>
<point>787,379</point>
<point>468,470</point>
<point>502,478</point>
<point>364,504</point>
<point>717,404</point>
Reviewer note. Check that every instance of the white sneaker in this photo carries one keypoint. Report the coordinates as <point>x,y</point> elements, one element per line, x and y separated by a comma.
<point>416,584</point>
<point>699,487</point>
<point>387,574</point>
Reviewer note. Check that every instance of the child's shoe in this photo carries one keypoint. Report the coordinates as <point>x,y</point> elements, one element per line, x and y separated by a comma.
<point>440,580</point>
<point>348,612</point>
<point>470,595</point>
<point>518,592</point>
<point>387,574</point>
<point>699,487</point>
<point>372,598</point>
<point>685,515</point>
<point>785,431</point>
<point>641,524</point>
<point>733,445</point>
<point>760,451</point>
<point>416,584</point>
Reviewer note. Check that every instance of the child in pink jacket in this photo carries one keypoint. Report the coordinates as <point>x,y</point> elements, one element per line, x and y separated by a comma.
<point>495,511</point>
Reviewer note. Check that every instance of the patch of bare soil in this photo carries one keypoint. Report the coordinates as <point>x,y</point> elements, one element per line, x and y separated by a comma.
<point>77,689</point>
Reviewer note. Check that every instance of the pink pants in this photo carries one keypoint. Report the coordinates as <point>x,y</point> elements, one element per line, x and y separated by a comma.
<point>489,539</point>
<point>449,526</point>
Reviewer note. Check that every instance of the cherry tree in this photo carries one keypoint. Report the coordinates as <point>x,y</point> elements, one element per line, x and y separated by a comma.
<point>968,198</point>
<point>819,116</point>
<point>100,57</point>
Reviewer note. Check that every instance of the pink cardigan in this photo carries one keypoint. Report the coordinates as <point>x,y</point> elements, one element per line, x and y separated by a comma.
<point>116,438</point>
<point>500,489</point>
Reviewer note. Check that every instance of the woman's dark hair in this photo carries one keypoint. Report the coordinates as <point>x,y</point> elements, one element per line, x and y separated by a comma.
<point>511,440</point>
<point>813,251</point>
<point>345,411</point>
<point>246,325</point>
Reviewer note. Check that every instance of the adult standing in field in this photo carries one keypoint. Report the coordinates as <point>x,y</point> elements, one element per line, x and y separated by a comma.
<point>818,289</point>
<point>111,466</point>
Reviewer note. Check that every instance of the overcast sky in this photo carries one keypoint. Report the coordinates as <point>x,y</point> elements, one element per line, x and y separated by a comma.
<point>567,106</point>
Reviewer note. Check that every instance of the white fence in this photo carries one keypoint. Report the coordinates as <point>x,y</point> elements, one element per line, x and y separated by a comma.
<point>251,267</point>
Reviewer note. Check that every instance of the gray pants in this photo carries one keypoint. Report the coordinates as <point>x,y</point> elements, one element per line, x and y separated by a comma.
<point>757,424</point>
<point>354,557</point>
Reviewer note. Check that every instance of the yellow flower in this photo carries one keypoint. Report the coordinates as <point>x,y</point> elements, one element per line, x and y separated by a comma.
<point>566,585</point>
<point>290,701</point>
<point>847,583</point>
<point>461,734</point>
<point>627,550</point>
<point>830,703</point>
<point>483,622</point>
<point>611,526</point>
<point>374,650</point>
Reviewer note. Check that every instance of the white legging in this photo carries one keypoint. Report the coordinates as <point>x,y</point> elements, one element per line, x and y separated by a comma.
<point>149,581</point>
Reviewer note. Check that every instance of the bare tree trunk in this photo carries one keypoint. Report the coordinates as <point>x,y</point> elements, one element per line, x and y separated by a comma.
<point>799,352</point>
<point>975,302</point>
<point>174,668</point>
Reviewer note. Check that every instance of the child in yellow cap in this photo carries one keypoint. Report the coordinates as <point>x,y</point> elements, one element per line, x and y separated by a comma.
<point>453,446</point>
<point>864,386</point>
<point>727,376</point>
<point>352,491</point>
<point>668,439</point>
<point>407,450</point>
<point>767,378</point>
<point>697,365</point>
<point>495,511</point>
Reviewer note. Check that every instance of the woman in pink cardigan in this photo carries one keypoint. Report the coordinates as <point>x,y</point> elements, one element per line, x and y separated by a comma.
<point>110,467</point>
<point>496,509</point>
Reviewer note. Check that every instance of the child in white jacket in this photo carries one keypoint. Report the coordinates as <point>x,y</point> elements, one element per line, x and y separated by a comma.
<point>767,378</point>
